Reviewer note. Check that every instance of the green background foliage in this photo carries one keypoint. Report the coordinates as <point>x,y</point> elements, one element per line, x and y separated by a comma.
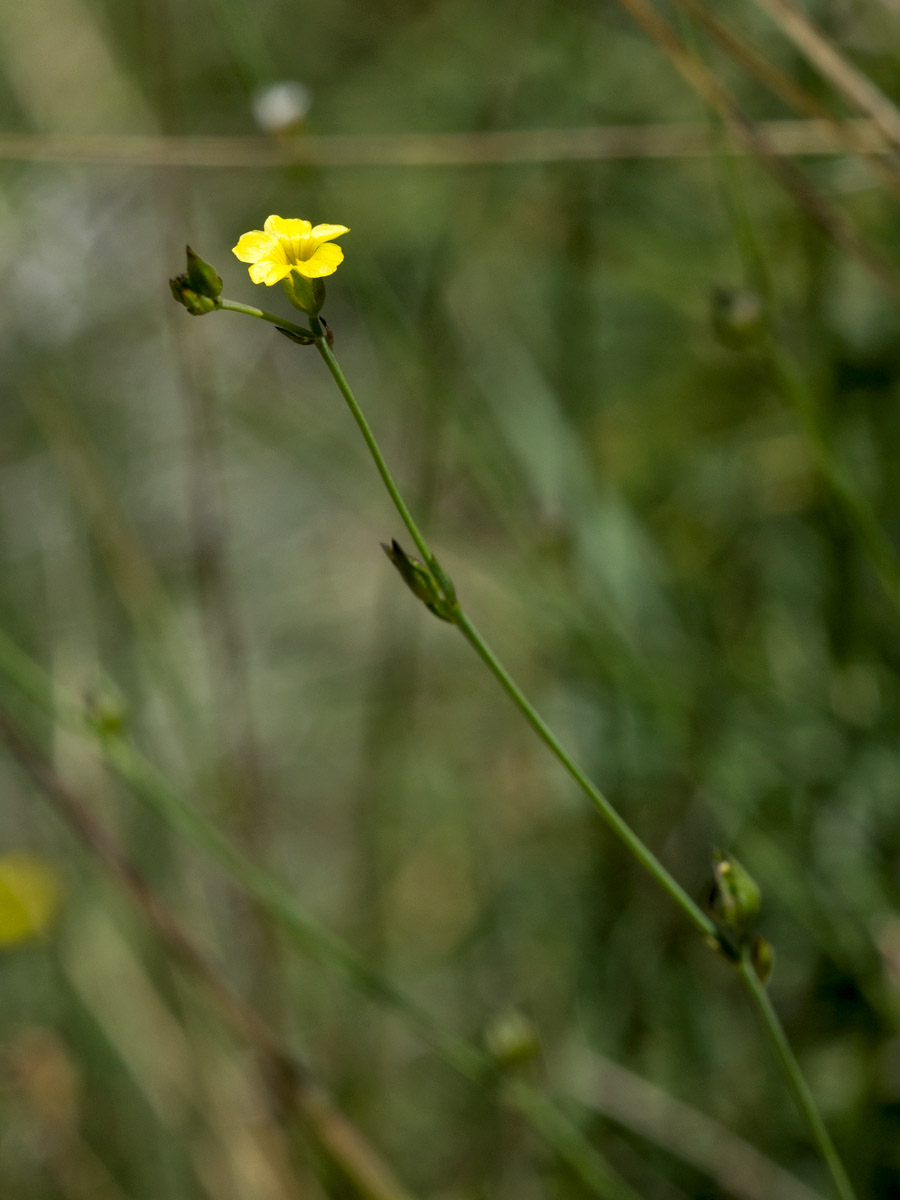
<point>634,513</point>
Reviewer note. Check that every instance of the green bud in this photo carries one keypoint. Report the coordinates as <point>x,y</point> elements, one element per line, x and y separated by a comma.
<point>196,304</point>
<point>202,278</point>
<point>419,580</point>
<point>734,897</point>
<point>306,294</point>
<point>738,317</point>
<point>511,1039</point>
<point>199,288</point>
<point>107,712</point>
<point>762,957</point>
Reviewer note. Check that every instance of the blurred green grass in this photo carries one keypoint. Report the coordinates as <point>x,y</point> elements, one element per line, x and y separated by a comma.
<point>630,510</point>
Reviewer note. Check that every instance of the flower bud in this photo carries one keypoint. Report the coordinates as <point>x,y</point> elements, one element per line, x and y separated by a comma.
<point>107,712</point>
<point>199,288</point>
<point>419,580</point>
<point>202,277</point>
<point>738,317</point>
<point>196,304</point>
<point>511,1039</point>
<point>734,896</point>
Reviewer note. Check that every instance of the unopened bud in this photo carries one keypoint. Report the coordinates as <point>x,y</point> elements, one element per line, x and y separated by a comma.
<point>202,276</point>
<point>734,896</point>
<point>419,580</point>
<point>738,317</point>
<point>107,712</point>
<point>199,288</point>
<point>511,1039</point>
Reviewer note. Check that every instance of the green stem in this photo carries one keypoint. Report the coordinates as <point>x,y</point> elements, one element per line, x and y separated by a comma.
<point>621,829</point>
<point>559,1131</point>
<point>856,508</point>
<point>374,449</point>
<point>249,311</point>
<point>798,1085</point>
<point>617,824</point>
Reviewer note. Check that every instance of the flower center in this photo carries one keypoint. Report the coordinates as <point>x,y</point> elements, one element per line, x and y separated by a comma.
<point>298,249</point>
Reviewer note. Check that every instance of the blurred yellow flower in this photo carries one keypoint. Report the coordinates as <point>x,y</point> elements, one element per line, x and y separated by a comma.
<point>29,898</point>
<point>286,245</point>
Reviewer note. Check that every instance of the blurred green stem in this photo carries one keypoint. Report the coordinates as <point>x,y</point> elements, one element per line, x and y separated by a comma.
<point>288,1080</point>
<point>616,823</point>
<point>857,510</point>
<point>792,1073</point>
<point>125,759</point>
<point>789,380</point>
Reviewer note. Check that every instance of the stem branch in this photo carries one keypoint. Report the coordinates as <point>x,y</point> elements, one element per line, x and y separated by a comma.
<point>249,311</point>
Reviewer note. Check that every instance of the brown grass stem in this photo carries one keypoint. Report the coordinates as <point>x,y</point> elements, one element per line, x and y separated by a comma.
<point>290,1083</point>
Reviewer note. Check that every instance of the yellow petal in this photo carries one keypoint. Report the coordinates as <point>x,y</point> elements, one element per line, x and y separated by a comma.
<point>29,898</point>
<point>269,272</point>
<point>324,262</point>
<point>254,245</point>
<point>325,233</point>
<point>286,227</point>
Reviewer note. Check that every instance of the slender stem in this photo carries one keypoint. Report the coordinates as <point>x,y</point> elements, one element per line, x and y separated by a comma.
<point>619,826</point>
<point>798,1085</point>
<point>599,1176</point>
<point>249,311</point>
<point>622,830</point>
<point>857,510</point>
<point>374,449</point>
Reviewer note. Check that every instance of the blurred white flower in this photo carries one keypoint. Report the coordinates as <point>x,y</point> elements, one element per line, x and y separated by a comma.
<point>281,107</point>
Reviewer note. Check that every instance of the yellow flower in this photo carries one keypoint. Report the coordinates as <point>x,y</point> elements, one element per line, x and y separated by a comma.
<point>290,245</point>
<point>30,894</point>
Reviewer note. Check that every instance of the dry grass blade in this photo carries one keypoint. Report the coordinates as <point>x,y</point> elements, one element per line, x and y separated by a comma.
<point>290,1083</point>
<point>735,1165</point>
<point>847,78</point>
<point>490,147</point>
<point>780,84</point>
<point>831,220</point>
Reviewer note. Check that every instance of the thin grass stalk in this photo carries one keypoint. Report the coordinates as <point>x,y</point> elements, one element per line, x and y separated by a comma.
<point>780,84</point>
<point>833,221</point>
<point>836,67</point>
<point>236,744</point>
<point>289,1081</point>
<point>471,1062</point>
<point>789,381</point>
<point>499,147</point>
